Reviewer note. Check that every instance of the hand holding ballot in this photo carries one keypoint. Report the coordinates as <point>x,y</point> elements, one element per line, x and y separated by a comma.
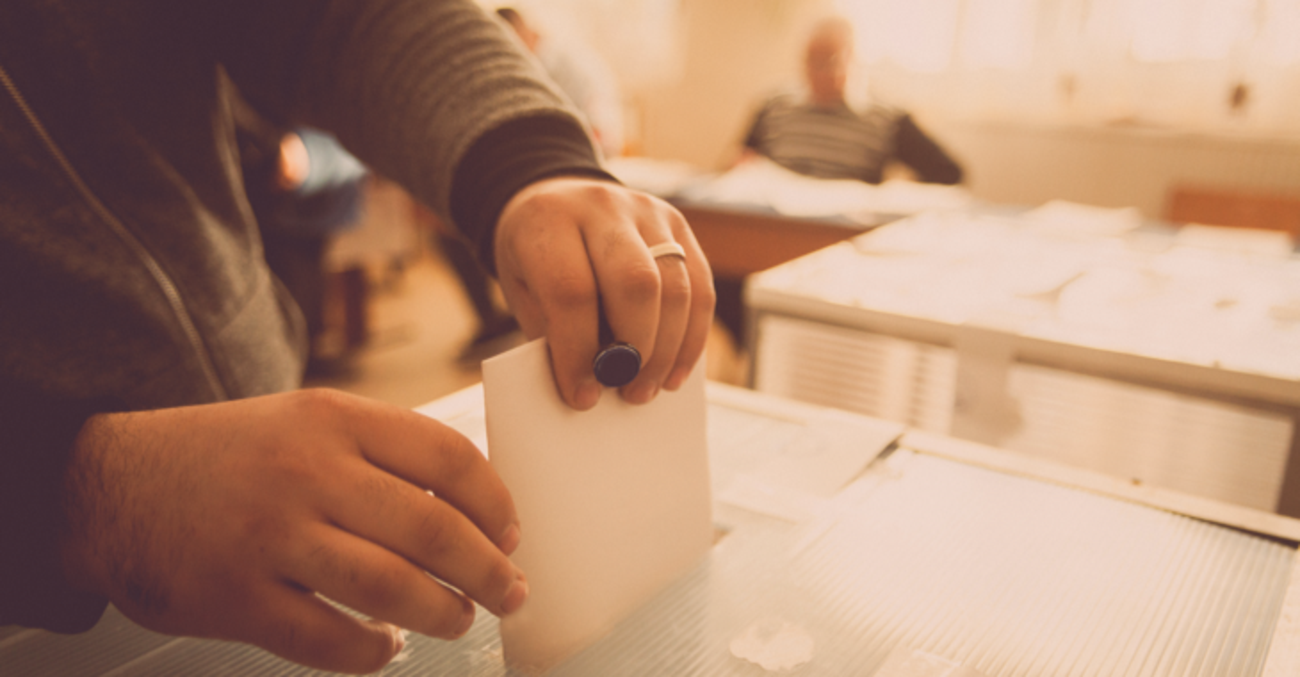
<point>158,451</point>
<point>565,244</point>
<point>226,520</point>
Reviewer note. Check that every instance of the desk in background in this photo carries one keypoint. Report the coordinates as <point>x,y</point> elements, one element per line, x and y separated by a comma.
<point>740,240</point>
<point>1068,333</point>
<point>759,215</point>
<point>1006,565</point>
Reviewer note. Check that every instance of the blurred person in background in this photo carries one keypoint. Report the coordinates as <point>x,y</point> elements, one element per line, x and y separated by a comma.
<point>816,132</point>
<point>304,188</point>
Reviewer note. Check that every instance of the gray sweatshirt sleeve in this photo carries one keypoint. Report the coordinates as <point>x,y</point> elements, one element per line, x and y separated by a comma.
<point>431,93</point>
<point>434,94</point>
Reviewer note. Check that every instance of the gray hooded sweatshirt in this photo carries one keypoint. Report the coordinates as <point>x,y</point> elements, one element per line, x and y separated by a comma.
<point>131,270</point>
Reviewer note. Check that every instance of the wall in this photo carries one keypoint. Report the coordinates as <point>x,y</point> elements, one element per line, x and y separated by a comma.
<point>734,51</point>
<point>1112,166</point>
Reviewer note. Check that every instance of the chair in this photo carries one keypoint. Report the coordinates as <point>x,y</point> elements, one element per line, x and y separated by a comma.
<point>1230,206</point>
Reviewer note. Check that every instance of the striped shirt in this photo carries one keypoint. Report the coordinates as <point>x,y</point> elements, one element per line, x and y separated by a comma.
<point>837,142</point>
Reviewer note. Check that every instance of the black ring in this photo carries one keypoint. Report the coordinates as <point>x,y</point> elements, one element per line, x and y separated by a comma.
<point>616,364</point>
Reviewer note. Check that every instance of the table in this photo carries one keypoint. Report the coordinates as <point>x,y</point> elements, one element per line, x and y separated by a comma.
<point>759,215</point>
<point>740,240</point>
<point>1131,350</point>
<point>939,548</point>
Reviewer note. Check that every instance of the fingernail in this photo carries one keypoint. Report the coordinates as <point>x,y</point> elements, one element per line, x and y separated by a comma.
<point>677,378</point>
<point>515,596</point>
<point>399,639</point>
<point>643,393</point>
<point>588,395</point>
<point>510,539</point>
<point>466,620</point>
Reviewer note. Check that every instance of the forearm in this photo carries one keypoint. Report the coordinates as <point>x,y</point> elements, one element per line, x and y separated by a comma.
<point>507,159</point>
<point>924,155</point>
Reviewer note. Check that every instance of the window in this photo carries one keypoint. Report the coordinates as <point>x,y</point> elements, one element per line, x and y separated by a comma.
<point>1280,32</point>
<point>998,33</point>
<point>1189,30</point>
<point>918,35</point>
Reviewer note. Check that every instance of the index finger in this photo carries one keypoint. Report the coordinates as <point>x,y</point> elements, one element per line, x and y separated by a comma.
<point>562,282</point>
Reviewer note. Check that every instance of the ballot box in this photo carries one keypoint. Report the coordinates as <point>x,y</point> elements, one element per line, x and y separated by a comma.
<point>847,545</point>
<point>1159,355</point>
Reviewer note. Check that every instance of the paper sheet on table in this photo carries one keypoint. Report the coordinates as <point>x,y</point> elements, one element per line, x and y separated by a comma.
<point>613,502</point>
<point>799,481</point>
<point>1080,220</point>
<point>763,182</point>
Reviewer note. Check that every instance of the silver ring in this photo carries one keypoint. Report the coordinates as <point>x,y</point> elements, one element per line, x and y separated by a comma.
<point>668,248</point>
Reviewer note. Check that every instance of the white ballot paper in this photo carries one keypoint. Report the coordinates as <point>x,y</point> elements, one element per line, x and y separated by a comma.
<point>613,502</point>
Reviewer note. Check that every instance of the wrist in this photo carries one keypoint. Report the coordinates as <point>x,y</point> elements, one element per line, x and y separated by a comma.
<point>83,497</point>
<point>507,160</point>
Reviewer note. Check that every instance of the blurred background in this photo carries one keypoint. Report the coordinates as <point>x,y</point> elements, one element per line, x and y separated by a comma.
<point>1089,133</point>
<point>1107,102</point>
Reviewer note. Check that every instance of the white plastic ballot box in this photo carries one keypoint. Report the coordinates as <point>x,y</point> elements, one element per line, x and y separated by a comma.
<point>850,546</point>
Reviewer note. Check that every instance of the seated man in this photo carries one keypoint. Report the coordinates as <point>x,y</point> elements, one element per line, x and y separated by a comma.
<point>818,134</point>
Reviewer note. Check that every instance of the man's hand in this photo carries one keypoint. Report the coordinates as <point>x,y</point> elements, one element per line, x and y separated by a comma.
<point>563,243</point>
<point>225,520</point>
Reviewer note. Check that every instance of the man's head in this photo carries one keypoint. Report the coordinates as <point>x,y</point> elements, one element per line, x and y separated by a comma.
<point>826,59</point>
<point>526,34</point>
